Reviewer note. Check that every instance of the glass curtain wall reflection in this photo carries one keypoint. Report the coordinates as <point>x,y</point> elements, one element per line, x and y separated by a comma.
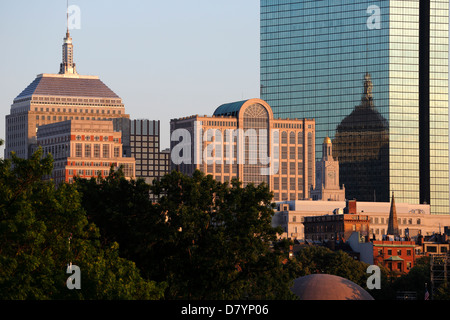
<point>315,58</point>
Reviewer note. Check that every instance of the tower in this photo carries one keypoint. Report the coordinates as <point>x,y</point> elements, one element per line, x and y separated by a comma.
<point>67,65</point>
<point>52,98</point>
<point>327,176</point>
<point>313,56</point>
<point>393,222</point>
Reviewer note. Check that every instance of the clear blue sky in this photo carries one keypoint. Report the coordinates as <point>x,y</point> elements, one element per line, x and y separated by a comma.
<point>165,59</point>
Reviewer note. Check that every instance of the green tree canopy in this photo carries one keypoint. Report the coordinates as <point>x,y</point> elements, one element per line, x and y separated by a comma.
<point>43,229</point>
<point>206,239</point>
<point>317,259</point>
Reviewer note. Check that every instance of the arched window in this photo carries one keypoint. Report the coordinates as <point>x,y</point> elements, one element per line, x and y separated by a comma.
<point>292,137</point>
<point>256,131</point>
<point>300,138</point>
<point>284,137</point>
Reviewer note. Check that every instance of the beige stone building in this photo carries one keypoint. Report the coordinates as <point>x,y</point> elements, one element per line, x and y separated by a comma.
<point>414,219</point>
<point>243,140</point>
<point>52,98</point>
<point>83,149</point>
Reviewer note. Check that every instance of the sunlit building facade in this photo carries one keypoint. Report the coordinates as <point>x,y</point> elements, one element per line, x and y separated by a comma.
<point>52,98</point>
<point>242,140</point>
<point>84,149</point>
<point>316,57</point>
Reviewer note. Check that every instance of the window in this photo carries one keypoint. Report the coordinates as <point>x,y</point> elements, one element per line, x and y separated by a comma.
<point>284,137</point>
<point>276,183</point>
<point>431,249</point>
<point>78,150</point>
<point>96,151</point>
<point>106,151</point>
<point>292,137</point>
<point>87,150</point>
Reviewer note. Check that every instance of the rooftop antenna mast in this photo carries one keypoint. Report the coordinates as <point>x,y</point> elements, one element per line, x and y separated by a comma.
<point>67,16</point>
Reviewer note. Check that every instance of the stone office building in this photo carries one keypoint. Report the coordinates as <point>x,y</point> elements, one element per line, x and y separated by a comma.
<point>52,98</point>
<point>83,149</point>
<point>243,140</point>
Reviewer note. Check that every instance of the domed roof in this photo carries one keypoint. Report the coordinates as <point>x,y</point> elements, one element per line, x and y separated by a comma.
<point>328,287</point>
<point>327,140</point>
<point>59,85</point>
<point>363,118</point>
<point>229,109</point>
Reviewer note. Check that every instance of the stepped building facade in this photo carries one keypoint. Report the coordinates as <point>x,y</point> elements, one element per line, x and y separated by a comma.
<point>52,98</point>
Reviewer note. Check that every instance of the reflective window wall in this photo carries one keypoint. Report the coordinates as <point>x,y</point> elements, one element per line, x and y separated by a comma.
<point>353,66</point>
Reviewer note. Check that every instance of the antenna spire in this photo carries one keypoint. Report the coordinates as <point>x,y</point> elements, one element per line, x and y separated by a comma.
<point>67,17</point>
<point>67,66</point>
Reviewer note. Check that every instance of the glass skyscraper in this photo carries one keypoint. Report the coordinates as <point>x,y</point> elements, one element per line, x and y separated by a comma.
<point>374,76</point>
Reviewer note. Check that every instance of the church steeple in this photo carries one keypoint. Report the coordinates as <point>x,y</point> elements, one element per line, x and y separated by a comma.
<point>393,222</point>
<point>67,66</point>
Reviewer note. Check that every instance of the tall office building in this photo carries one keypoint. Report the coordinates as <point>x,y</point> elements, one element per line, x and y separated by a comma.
<point>243,140</point>
<point>315,58</point>
<point>141,140</point>
<point>52,98</point>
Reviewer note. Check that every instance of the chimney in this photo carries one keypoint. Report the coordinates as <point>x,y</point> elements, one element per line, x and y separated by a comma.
<point>351,206</point>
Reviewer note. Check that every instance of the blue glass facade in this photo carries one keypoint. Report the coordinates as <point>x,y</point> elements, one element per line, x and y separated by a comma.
<point>320,58</point>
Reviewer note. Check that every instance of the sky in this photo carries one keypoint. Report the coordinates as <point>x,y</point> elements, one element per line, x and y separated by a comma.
<point>165,59</point>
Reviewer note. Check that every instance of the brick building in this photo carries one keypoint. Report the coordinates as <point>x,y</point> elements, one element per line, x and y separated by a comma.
<point>335,227</point>
<point>84,149</point>
<point>397,256</point>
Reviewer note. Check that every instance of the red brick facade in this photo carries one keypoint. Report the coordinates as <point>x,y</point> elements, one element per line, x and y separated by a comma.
<point>396,256</point>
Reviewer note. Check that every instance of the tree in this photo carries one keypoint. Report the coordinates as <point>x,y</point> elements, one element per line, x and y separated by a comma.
<point>43,228</point>
<point>124,213</point>
<point>415,279</point>
<point>206,239</point>
<point>219,240</point>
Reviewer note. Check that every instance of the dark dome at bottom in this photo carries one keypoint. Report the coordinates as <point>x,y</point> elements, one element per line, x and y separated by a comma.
<point>328,287</point>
